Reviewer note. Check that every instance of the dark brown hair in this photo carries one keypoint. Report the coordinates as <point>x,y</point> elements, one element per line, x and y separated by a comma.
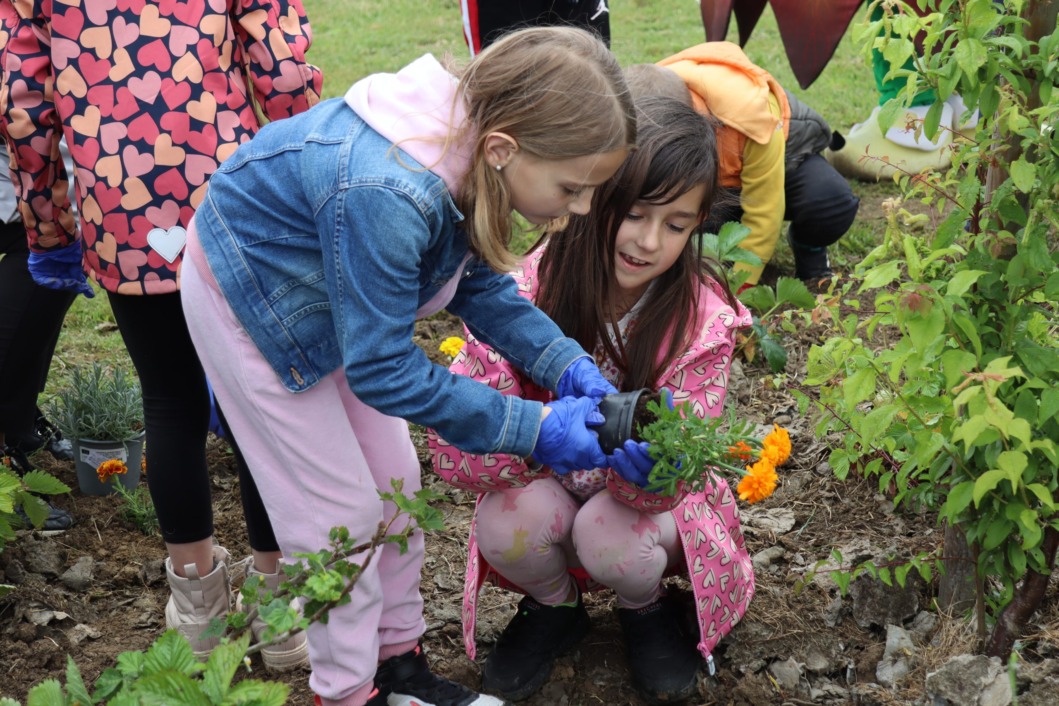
<point>676,151</point>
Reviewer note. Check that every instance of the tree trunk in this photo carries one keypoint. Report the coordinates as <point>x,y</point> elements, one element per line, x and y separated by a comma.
<point>956,589</point>
<point>1028,596</point>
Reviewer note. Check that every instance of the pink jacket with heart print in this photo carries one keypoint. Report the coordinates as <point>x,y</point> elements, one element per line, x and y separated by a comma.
<point>151,95</point>
<point>717,563</point>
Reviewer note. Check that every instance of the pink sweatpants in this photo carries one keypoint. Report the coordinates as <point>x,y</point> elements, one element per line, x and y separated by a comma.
<point>318,458</point>
<point>533,535</point>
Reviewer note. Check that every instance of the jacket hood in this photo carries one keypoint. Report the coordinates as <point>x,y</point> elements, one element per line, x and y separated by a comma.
<point>417,109</point>
<point>726,84</point>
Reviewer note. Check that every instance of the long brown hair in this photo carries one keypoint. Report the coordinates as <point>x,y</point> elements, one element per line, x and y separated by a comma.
<point>676,151</point>
<point>561,94</point>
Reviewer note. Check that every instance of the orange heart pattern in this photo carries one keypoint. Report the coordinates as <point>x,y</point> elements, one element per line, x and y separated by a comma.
<point>151,95</point>
<point>717,563</point>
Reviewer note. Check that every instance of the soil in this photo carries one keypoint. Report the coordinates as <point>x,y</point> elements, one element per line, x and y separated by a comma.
<point>798,622</point>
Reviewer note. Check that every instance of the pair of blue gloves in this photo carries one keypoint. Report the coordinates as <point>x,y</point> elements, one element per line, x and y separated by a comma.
<point>61,269</point>
<point>565,441</point>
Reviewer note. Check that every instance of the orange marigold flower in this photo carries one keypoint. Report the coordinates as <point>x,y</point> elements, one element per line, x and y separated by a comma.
<point>109,468</point>
<point>741,451</point>
<point>776,447</point>
<point>758,483</point>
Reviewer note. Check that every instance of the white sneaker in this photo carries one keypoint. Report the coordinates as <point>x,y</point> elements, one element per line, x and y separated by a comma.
<point>284,656</point>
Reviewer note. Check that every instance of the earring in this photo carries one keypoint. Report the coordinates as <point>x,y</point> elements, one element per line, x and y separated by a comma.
<point>499,167</point>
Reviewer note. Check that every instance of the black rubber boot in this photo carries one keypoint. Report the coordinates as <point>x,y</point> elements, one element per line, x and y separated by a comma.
<point>662,652</point>
<point>525,652</point>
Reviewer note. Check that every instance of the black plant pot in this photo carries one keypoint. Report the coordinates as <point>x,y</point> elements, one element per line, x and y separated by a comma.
<point>617,410</point>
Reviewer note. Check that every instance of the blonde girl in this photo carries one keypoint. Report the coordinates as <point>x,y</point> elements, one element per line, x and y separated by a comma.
<point>317,247</point>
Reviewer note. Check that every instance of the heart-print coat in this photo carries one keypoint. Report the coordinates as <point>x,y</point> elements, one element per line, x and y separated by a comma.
<point>717,563</point>
<point>152,95</point>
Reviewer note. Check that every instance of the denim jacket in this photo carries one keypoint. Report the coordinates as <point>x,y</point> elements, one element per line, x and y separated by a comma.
<point>326,241</point>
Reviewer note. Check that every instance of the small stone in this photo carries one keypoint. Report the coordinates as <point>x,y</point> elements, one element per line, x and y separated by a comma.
<point>898,643</point>
<point>889,673</point>
<point>924,623</point>
<point>763,559</point>
<point>787,674</point>
<point>79,576</point>
<point>782,419</point>
<point>81,632</point>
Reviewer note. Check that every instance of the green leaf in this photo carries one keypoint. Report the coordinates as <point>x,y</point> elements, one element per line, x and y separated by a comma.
<point>970,54</point>
<point>959,498</point>
<point>889,113</point>
<point>1017,559</point>
<point>44,483</point>
<point>170,652</point>
<point>793,291</point>
<point>75,685</point>
<point>933,119</point>
<point>168,688</point>
<point>258,693</point>
<point>775,354</point>
<point>221,666</point>
<point>925,330</point>
<point>1044,496</point>
<point>1023,173</point>
<point>48,693</point>
<point>35,508</point>
<point>998,532</point>
<point>1049,404</point>
<point>1030,530</point>
<point>962,281</point>
<point>859,386</point>
<point>881,275</point>
<point>1013,463</point>
<point>759,298</point>
<point>108,684</point>
<point>955,363</point>
<point>9,484</point>
<point>985,483</point>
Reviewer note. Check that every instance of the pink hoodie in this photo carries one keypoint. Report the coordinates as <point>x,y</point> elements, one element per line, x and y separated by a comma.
<point>418,108</point>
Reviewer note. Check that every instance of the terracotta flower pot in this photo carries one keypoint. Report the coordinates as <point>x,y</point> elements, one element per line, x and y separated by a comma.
<point>89,453</point>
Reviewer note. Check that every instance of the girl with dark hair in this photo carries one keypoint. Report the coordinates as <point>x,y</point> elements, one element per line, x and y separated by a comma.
<point>628,282</point>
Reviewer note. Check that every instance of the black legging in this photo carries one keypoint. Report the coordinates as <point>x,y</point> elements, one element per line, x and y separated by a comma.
<point>31,318</point>
<point>176,409</point>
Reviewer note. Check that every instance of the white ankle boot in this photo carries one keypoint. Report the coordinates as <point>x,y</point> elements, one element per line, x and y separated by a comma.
<point>196,600</point>
<point>282,656</point>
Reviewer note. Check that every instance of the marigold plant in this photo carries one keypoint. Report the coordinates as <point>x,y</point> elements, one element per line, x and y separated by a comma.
<point>692,452</point>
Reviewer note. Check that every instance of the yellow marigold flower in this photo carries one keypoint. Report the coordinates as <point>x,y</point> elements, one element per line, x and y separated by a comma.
<point>451,346</point>
<point>776,447</point>
<point>111,467</point>
<point>758,483</point>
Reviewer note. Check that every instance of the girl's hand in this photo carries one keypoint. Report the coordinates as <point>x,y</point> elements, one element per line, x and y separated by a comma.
<point>583,379</point>
<point>565,441</point>
<point>633,461</point>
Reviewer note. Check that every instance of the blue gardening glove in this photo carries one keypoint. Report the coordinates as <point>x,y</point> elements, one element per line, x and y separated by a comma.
<point>61,269</point>
<point>583,379</point>
<point>565,442</point>
<point>632,461</point>
<point>215,418</point>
